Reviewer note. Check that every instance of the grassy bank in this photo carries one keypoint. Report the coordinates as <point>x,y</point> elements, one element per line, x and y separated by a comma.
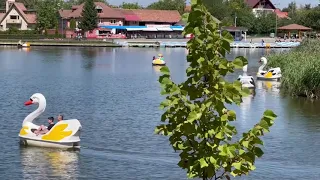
<point>61,42</point>
<point>300,69</point>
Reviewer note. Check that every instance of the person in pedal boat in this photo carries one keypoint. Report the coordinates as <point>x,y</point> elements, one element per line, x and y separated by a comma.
<point>60,117</point>
<point>43,129</point>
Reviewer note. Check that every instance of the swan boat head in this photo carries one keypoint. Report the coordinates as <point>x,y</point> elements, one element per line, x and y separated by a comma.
<point>38,99</point>
<point>263,60</point>
<point>65,133</point>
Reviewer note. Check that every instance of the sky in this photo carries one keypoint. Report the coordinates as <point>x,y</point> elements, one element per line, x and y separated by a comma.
<point>278,3</point>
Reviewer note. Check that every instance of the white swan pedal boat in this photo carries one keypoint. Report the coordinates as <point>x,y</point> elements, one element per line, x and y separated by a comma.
<point>273,74</point>
<point>245,80</point>
<point>64,134</point>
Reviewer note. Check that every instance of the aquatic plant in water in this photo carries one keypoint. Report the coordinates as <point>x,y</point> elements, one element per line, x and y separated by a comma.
<point>196,119</point>
<point>300,69</point>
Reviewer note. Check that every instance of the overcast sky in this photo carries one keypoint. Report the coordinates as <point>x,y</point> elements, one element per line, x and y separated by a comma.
<point>284,3</point>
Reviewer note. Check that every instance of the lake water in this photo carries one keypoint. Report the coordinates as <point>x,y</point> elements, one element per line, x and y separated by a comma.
<point>115,94</point>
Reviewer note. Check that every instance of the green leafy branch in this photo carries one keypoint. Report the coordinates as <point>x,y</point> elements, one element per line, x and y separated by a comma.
<point>196,118</point>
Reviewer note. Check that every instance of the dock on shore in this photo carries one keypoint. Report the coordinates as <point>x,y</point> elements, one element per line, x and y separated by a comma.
<point>177,44</point>
<point>145,43</point>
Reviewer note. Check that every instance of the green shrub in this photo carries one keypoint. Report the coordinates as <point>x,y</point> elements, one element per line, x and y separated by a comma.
<point>72,24</point>
<point>300,69</point>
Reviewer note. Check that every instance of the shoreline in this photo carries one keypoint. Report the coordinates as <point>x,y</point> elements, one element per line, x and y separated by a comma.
<point>141,43</point>
<point>56,43</point>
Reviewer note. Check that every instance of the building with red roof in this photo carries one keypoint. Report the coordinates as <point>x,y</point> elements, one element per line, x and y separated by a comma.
<point>265,6</point>
<point>108,16</point>
<point>17,15</point>
<point>258,7</point>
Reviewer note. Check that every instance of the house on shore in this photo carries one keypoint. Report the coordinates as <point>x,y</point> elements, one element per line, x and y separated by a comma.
<point>18,16</point>
<point>131,22</point>
<point>259,7</point>
<point>265,6</point>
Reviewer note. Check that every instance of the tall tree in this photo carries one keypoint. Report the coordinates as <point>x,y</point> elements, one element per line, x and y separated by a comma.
<point>218,8</point>
<point>89,16</point>
<point>135,5</point>
<point>178,5</point>
<point>47,14</point>
<point>196,117</point>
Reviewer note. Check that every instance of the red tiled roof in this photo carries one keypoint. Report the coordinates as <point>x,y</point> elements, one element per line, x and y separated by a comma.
<point>76,11</point>
<point>281,14</point>
<point>131,17</point>
<point>294,27</point>
<point>146,15</point>
<point>20,6</point>
<point>65,13</point>
<point>149,15</point>
<point>31,18</point>
<point>253,3</point>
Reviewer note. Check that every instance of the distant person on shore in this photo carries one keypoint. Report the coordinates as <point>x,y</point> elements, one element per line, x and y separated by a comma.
<point>262,42</point>
<point>250,41</point>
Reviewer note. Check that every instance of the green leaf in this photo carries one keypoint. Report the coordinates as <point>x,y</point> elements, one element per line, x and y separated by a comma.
<point>269,114</point>
<point>245,144</point>
<point>227,36</point>
<point>200,60</point>
<point>197,31</point>
<point>222,66</point>
<point>193,116</point>
<point>258,152</point>
<point>239,62</point>
<point>264,125</point>
<point>226,45</point>
<point>224,117</point>
<point>219,135</point>
<point>232,115</point>
<point>208,103</point>
<point>213,161</point>
<point>165,80</point>
<point>165,70</point>
<point>237,165</point>
<point>241,151</point>
<point>181,146</point>
<point>203,163</point>
<point>185,17</point>
<point>194,2</point>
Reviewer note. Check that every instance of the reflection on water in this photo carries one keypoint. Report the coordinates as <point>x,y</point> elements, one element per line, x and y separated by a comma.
<point>269,86</point>
<point>44,163</point>
<point>245,105</point>
<point>25,49</point>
